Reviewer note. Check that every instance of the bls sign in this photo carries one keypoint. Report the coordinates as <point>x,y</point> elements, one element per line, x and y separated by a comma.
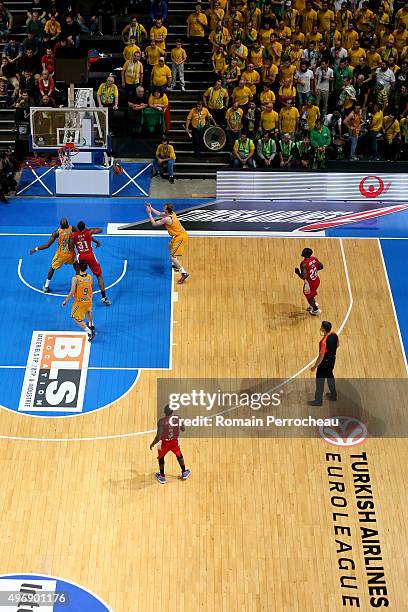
<point>55,375</point>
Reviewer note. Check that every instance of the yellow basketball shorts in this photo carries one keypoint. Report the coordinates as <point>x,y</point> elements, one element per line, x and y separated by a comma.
<point>177,245</point>
<point>60,259</point>
<point>79,310</point>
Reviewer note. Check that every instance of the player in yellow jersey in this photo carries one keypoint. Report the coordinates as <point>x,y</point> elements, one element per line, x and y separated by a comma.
<point>65,253</point>
<point>81,291</point>
<point>178,235</point>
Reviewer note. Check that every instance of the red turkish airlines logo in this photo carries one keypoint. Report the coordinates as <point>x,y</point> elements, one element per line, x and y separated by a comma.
<point>349,432</point>
<point>373,187</point>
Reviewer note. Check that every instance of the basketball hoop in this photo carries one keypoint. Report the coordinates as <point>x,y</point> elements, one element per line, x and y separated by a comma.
<point>65,154</point>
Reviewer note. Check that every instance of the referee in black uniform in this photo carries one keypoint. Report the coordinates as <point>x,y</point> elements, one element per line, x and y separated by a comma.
<point>324,364</point>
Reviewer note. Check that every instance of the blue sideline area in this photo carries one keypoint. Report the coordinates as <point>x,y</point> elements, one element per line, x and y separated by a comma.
<point>395,253</point>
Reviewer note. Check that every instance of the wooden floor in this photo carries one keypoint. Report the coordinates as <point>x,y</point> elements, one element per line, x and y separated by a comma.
<point>252,529</point>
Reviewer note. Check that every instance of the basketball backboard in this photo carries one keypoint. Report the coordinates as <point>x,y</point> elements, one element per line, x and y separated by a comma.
<point>53,127</point>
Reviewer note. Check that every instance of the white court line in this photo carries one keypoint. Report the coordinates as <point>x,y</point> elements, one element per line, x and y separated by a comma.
<point>392,304</point>
<point>21,277</point>
<point>150,431</point>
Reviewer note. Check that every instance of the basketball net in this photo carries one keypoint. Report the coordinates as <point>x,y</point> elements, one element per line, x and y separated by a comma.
<point>65,155</point>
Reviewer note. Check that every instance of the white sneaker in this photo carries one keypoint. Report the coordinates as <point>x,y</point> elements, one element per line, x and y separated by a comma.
<point>309,308</point>
<point>315,313</point>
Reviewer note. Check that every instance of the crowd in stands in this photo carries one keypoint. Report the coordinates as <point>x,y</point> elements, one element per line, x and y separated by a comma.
<point>295,82</point>
<point>299,81</point>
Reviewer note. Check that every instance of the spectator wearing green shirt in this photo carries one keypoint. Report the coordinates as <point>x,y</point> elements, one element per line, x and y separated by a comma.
<point>343,71</point>
<point>35,26</point>
<point>320,139</point>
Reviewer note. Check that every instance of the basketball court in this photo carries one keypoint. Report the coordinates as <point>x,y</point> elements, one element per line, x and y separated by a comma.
<point>271,519</point>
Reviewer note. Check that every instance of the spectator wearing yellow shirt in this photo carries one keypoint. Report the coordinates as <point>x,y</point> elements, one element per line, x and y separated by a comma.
<point>274,50</point>
<point>290,16</point>
<point>269,72</point>
<point>388,50</point>
<point>164,160</point>
<point>333,36</point>
<point>266,95</point>
<point>376,125</point>
<point>325,17</point>
<point>256,56</point>
<point>135,30</point>
<point>240,51</point>
<point>234,17</point>
<point>343,17</point>
<point>314,36</point>
<point>364,17</point>
<point>349,36</point>
<point>216,99</point>
<point>308,18</point>
<point>401,16</point>
<point>158,100</point>
<point>251,78</point>
<point>219,61</point>
<point>382,21</point>
<point>283,31</point>
<point>265,34</point>
<point>232,75</point>
<point>269,119</point>
<point>132,73</point>
<point>130,49</point>
<point>196,24</point>
<point>233,118</point>
<point>158,32</point>
<point>161,76</point>
<point>108,94</point>
<point>288,118</point>
<point>310,114</point>
<point>254,14</point>
<point>287,91</point>
<point>196,122</point>
<point>243,152</point>
<point>373,57</point>
<point>298,36</point>
<point>391,129</point>
<point>286,71</point>
<point>249,35</point>
<point>296,54</point>
<point>401,36</point>
<point>355,53</point>
<point>215,15</point>
<point>152,54</point>
<point>178,57</point>
<point>392,65</point>
<point>220,37</point>
<point>242,94</point>
<point>52,28</point>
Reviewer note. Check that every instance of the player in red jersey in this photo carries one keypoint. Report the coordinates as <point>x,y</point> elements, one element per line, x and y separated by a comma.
<point>82,240</point>
<point>168,429</point>
<point>309,273</point>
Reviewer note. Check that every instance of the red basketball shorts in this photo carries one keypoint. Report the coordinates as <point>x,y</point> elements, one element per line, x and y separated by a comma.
<point>93,263</point>
<point>167,446</point>
<point>310,288</point>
